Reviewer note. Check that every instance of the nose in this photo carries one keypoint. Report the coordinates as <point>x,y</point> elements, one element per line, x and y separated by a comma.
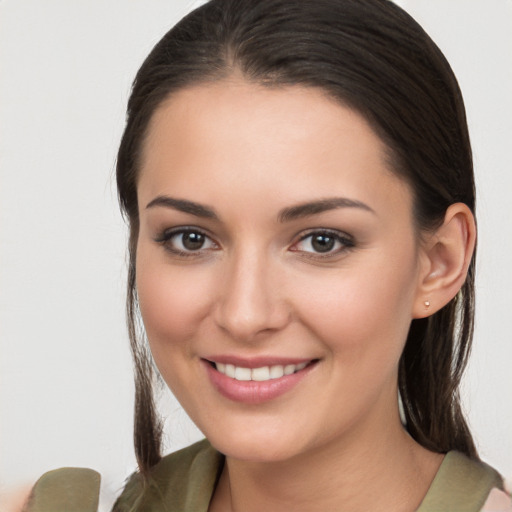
<point>250,300</point>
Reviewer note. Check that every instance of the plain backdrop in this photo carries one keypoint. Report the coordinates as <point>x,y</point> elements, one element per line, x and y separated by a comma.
<point>65,369</point>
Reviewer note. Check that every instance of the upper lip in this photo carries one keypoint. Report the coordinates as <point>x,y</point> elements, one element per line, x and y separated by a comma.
<point>257,362</point>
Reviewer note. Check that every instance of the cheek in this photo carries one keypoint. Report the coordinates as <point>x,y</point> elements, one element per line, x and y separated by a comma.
<point>363,311</point>
<point>173,302</point>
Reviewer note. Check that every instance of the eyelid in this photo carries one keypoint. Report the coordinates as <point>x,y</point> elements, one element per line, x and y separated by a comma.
<point>167,233</point>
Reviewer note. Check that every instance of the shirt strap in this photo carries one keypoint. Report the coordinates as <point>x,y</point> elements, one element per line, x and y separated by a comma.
<point>65,490</point>
<point>461,484</point>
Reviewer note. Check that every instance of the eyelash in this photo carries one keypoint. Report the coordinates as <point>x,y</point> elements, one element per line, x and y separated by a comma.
<point>346,242</point>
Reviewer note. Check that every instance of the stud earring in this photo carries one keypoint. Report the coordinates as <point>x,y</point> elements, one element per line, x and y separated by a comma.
<point>427,304</point>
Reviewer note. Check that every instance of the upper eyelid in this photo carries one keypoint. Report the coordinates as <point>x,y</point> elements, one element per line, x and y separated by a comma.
<point>165,234</point>
<point>329,231</point>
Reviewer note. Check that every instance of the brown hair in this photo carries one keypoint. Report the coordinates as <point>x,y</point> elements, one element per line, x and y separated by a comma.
<point>373,57</point>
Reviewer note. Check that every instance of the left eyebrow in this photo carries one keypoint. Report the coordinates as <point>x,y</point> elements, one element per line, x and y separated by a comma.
<point>182,205</point>
<point>323,205</point>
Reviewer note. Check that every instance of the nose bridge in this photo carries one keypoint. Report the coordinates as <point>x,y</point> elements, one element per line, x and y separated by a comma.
<point>250,300</point>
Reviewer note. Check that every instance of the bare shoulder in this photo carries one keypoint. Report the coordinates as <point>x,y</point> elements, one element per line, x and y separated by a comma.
<point>15,499</point>
<point>499,500</point>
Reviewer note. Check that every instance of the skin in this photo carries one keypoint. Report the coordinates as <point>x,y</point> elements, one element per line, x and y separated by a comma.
<point>15,499</point>
<point>258,288</point>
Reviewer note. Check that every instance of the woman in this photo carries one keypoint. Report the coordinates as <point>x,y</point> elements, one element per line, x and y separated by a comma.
<point>298,181</point>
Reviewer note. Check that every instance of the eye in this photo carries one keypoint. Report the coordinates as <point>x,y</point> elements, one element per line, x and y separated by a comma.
<point>186,241</point>
<point>324,243</point>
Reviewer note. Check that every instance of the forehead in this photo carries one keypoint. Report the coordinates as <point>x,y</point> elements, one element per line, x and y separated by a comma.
<point>250,140</point>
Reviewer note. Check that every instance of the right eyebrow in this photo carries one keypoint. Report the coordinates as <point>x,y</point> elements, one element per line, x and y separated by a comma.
<point>182,205</point>
<point>322,205</point>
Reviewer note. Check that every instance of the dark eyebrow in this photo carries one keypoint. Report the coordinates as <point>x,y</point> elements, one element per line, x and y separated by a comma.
<point>185,206</point>
<point>315,207</point>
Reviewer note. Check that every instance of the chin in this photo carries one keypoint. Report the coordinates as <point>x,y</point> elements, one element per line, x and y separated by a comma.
<point>256,447</point>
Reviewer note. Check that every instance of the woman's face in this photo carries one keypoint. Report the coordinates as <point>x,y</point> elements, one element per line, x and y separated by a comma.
<point>277,267</point>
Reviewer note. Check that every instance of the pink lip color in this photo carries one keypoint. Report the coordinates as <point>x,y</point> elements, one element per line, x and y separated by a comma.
<point>254,392</point>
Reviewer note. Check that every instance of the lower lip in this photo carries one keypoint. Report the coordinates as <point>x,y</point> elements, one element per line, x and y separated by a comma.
<point>254,392</point>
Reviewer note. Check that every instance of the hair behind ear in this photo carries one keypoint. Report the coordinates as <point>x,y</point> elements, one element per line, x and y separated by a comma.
<point>439,339</point>
<point>428,381</point>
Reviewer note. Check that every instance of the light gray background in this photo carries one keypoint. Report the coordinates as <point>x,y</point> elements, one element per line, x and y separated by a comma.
<point>66,68</point>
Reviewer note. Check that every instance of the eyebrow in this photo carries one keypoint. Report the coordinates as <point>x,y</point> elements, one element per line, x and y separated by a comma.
<point>285,215</point>
<point>185,206</point>
<point>323,205</point>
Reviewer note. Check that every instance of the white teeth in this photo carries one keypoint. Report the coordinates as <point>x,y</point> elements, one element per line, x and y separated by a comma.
<point>230,370</point>
<point>258,374</point>
<point>261,374</point>
<point>242,373</point>
<point>289,369</point>
<point>276,371</point>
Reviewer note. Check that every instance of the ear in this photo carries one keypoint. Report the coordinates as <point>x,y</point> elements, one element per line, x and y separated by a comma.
<point>444,260</point>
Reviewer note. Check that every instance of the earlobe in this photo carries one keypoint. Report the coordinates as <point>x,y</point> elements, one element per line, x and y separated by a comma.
<point>445,259</point>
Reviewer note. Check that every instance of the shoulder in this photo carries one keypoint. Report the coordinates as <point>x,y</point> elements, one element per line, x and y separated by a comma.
<point>461,484</point>
<point>499,500</point>
<point>181,481</point>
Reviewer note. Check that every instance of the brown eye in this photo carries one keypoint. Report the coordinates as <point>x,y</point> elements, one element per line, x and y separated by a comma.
<point>322,243</point>
<point>192,241</point>
<point>186,241</point>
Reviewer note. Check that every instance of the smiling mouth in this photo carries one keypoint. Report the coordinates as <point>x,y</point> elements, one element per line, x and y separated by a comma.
<point>256,382</point>
<point>261,374</point>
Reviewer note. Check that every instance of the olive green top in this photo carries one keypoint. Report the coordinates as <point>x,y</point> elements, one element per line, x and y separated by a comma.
<point>184,481</point>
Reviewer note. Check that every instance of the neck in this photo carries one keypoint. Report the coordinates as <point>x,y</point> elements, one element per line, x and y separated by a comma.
<point>376,466</point>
